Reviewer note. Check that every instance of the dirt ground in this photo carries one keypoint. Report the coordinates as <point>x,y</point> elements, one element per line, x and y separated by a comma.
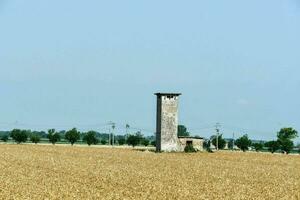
<point>65,172</point>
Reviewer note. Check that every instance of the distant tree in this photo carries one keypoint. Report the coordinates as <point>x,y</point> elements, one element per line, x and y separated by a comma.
<point>258,146</point>
<point>221,141</point>
<point>53,136</point>
<point>121,141</point>
<point>272,146</point>
<point>286,146</point>
<point>4,138</point>
<point>41,134</point>
<point>72,135</point>
<point>285,137</point>
<point>35,138</point>
<point>206,144</point>
<point>153,143</point>
<point>62,133</point>
<point>103,141</point>
<point>145,142</point>
<point>182,131</point>
<point>90,138</point>
<point>243,143</point>
<point>19,135</point>
<point>134,140</point>
<point>140,136</point>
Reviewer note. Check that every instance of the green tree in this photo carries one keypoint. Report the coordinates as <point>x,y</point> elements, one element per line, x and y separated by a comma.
<point>90,138</point>
<point>103,141</point>
<point>4,138</point>
<point>19,135</point>
<point>145,142</point>
<point>243,143</point>
<point>221,141</point>
<point>182,131</point>
<point>286,146</point>
<point>35,138</point>
<point>121,141</point>
<point>285,137</point>
<point>134,140</point>
<point>153,143</point>
<point>53,136</point>
<point>258,146</point>
<point>206,144</point>
<point>72,136</point>
<point>272,146</point>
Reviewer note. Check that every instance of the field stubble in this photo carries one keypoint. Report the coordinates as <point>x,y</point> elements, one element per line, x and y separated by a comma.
<point>60,172</point>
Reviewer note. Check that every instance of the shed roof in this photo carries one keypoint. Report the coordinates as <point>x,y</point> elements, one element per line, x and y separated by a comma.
<point>191,137</point>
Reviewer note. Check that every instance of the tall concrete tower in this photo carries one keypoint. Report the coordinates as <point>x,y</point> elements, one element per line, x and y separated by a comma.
<point>167,122</point>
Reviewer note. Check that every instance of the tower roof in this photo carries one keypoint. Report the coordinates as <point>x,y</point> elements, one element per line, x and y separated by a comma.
<point>167,94</point>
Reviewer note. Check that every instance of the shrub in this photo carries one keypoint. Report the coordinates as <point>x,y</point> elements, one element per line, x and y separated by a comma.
<point>121,141</point>
<point>4,138</point>
<point>19,135</point>
<point>153,143</point>
<point>103,141</point>
<point>90,138</point>
<point>145,142</point>
<point>206,146</point>
<point>133,140</point>
<point>258,146</point>
<point>72,135</point>
<point>189,149</point>
<point>34,138</point>
<point>272,146</point>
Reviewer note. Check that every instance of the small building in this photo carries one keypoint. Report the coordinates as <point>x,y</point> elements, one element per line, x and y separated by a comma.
<point>196,142</point>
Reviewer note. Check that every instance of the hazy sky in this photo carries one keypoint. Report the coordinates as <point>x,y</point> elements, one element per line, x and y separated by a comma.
<point>84,63</point>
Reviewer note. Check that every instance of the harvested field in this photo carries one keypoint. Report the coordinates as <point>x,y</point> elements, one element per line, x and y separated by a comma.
<point>60,172</point>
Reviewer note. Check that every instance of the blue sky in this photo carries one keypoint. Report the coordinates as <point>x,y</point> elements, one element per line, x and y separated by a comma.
<point>84,63</point>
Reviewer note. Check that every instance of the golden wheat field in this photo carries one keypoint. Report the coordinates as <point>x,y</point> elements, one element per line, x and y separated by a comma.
<point>65,172</point>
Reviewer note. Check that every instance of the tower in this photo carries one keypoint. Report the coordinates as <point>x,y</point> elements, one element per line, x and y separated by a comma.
<point>167,122</point>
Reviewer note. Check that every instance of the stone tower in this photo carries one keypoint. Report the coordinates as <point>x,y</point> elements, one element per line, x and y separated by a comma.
<point>167,122</point>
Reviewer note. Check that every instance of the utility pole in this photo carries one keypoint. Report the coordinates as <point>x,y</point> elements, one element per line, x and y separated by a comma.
<point>109,143</point>
<point>113,135</point>
<point>217,138</point>
<point>127,128</point>
<point>232,141</point>
<point>111,138</point>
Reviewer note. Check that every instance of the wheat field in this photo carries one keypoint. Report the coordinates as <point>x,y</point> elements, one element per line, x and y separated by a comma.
<point>65,172</point>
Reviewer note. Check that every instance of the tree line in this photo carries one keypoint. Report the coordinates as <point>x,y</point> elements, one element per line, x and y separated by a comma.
<point>284,142</point>
<point>73,136</point>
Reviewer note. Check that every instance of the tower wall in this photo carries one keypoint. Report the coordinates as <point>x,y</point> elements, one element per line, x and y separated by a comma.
<point>167,122</point>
